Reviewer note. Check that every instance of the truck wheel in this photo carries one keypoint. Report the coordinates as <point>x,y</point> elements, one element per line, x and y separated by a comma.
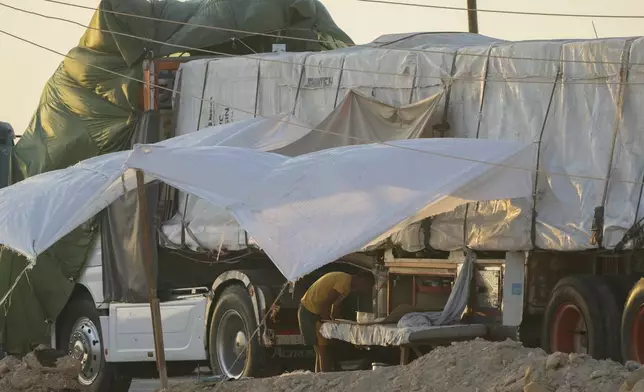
<point>582,317</point>
<point>233,353</point>
<point>81,333</point>
<point>633,325</point>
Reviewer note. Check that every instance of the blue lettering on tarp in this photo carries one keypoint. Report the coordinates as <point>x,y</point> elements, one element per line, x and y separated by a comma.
<point>517,288</point>
<point>227,116</point>
<point>321,82</point>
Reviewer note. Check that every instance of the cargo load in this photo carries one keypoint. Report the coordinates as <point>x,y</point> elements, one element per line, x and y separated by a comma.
<point>577,101</point>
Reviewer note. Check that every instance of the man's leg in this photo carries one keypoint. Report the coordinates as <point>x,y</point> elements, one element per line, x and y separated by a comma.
<point>317,359</point>
<point>308,328</point>
<point>325,359</point>
<point>323,350</point>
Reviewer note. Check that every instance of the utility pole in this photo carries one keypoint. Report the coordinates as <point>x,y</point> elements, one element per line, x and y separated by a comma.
<point>155,308</point>
<point>472,17</point>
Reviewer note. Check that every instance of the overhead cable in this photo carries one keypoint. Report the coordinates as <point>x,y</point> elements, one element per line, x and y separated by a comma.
<point>380,46</point>
<point>445,79</point>
<point>321,130</point>
<point>506,12</point>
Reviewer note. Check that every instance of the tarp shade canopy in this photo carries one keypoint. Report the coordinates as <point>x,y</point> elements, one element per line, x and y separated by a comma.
<point>85,111</point>
<point>304,212</point>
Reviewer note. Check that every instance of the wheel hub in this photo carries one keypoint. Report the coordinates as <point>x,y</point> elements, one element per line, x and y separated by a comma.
<point>231,344</point>
<point>85,346</point>
<point>569,330</point>
<point>240,343</point>
<point>79,349</point>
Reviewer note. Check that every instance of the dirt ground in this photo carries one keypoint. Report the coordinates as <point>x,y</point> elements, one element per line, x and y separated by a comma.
<point>40,371</point>
<point>475,366</point>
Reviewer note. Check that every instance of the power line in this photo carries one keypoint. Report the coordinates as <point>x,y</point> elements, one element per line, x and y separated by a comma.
<point>341,69</point>
<point>305,127</point>
<point>388,2</point>
<point>381,47</point>
<point>213,52</point>
<point>186,23</point>
<point>323,130</point>
<point>507,12</point>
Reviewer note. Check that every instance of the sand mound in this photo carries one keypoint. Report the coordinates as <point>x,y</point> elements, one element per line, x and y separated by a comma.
<point>40,371</point>
<point>474,366</point>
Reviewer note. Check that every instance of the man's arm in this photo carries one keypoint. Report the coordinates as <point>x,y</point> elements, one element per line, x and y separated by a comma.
<point>335,308</point>
<point>333,297</point>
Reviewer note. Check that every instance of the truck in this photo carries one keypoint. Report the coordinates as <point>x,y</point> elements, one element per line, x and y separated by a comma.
<point>560,270</point>
<point>211,305</point>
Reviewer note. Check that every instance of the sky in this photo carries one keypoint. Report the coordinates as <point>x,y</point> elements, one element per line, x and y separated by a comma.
<point>26,69</point>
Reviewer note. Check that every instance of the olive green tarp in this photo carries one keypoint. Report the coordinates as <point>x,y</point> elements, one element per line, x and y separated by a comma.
<point>90,107</point>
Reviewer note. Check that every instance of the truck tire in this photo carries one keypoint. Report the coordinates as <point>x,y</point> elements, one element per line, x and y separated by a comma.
<point>582,317</point>
<point>232,352</point>
<point>81,333</point>
<point>633,325</point>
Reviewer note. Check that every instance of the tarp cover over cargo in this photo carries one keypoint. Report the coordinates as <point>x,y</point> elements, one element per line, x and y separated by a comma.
<point>578,101</point>
<point>304,212</point>
<point>85,111</point>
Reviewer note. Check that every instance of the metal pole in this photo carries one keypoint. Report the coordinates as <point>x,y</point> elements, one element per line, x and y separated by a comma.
<point>472,17</point>
<point>155,309</point>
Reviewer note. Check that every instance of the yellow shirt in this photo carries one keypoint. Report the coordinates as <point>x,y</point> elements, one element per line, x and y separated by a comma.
<point>319,291</point>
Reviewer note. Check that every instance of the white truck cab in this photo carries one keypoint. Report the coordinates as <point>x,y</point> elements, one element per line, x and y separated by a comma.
<point>105,335</point>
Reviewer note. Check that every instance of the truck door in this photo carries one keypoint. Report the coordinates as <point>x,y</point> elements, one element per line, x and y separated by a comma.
<point>131,338</point>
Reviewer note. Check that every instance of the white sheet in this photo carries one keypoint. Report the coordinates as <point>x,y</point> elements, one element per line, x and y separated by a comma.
<point>389,335</point>
<point>304,212</point>
<point>386,335</point>
<point>456,303</point>
<point>358,119</point>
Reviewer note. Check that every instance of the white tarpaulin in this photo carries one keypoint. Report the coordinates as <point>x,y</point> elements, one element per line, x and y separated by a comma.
<point>579,101</point>
<point>358,119</point>
<point>304,212</point>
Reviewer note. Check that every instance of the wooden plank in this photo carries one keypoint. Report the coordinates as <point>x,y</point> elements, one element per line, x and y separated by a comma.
<point>155,308</point>
<point>404,355</point>
<point>411,263</point>
<point>438,263</point>
<point>388,295</point>
<point>421,271</point>
<point>413,293</point>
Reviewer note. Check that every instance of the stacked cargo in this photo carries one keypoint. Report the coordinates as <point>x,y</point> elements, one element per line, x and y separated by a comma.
<point>577,101</point>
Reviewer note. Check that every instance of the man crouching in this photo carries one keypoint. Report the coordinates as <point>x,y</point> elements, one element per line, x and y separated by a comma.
<point>322,302</point>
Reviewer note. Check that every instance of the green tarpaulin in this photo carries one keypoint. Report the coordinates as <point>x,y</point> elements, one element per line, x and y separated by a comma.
<point>85,111</point>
